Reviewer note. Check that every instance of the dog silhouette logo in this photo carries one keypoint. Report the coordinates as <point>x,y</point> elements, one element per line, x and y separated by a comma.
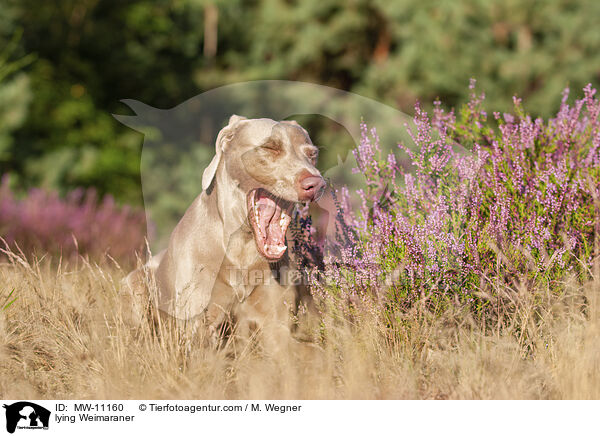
<point>26,415</point>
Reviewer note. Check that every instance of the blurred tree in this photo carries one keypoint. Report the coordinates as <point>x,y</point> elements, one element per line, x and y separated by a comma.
<point>403,50</point>
<point>93,53</point>
<point>530,48</point>
<point>15,95</point>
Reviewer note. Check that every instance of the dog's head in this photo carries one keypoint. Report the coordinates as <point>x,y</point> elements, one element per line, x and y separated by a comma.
<point>274,164</point>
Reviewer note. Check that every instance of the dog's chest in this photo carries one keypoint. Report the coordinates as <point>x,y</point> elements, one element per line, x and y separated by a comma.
<point>243,268</point>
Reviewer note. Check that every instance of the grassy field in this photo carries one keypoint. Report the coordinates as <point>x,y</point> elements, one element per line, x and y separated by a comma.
<point>494,256</point>
<point>63,338</point>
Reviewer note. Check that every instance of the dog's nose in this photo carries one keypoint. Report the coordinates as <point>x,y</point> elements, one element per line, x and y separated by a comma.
<point>311,187</point>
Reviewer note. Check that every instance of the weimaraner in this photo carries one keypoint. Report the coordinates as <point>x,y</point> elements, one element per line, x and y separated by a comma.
<point>223,254</point>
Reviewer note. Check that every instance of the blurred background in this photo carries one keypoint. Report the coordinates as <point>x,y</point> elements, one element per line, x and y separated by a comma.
<point>65,66</point>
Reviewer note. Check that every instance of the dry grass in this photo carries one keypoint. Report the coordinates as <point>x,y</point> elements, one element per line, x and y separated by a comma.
<point>63,338</point>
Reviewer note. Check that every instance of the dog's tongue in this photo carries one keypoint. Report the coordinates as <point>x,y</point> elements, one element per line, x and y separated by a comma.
<point>274,231</point>
<point>267,208</point>
<point>270,224</point>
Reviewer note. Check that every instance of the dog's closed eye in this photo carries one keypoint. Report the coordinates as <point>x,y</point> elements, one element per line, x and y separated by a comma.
<point>273,146</point>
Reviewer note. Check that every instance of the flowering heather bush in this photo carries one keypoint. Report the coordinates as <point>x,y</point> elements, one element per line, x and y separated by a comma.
<point>524,203</point>
<point>44,223</point>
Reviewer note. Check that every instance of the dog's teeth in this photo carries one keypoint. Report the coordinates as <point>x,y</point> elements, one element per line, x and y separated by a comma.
<point>276,249</point>
<point>284,219</point>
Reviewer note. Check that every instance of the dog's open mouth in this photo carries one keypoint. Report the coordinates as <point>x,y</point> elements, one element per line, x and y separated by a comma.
<point>269,217</point>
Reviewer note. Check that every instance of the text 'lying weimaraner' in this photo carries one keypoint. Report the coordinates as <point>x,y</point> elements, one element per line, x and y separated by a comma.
<point>222,255</point>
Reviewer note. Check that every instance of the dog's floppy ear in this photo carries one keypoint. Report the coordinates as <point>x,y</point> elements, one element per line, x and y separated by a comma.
<point>223,139</point>
<point>235,118</point>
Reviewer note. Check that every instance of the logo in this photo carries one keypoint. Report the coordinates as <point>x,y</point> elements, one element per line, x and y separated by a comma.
<point>26,415</point>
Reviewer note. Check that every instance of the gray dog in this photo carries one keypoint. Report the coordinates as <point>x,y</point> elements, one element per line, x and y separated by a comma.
<point>220,261</point>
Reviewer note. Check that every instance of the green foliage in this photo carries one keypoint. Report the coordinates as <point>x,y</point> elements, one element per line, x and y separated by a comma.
<point>93,53</point>
<point>7,301</point>
<point>400,51</point>
<point>15,95</point>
